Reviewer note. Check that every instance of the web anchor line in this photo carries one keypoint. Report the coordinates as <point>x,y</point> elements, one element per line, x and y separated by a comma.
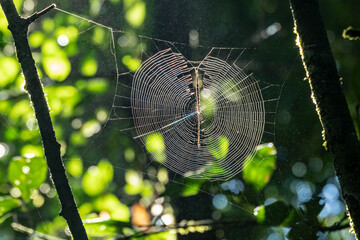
<point>220,85</point>
<point>193,108</point>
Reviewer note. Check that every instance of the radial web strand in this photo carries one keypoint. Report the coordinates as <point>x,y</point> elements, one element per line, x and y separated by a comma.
<point>201,119</point>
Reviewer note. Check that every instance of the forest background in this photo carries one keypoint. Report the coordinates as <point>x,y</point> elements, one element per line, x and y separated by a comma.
<point>104,166</point>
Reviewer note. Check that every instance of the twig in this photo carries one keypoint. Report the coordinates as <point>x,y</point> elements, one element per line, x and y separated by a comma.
<point>31,232</point>
<point>36,15</point>
<point>153,229</point>
<point>19,29</point>
<point>334,228</point>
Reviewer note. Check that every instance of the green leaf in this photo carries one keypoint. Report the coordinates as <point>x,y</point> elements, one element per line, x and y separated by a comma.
<point>189,188</point>
<point>48,24</point>
<point>75,166</point>
<point>135,15</point>
<point>62,99</point>
<point>97,85</point>
<point>259,170</point>
<point>97,178</point>
<point>168,235</point>
<point>131,63</point>
<point>96,227</point>
<point>113,206</point>
<point>134,182</point>
<point>156,146</point>
<point>302,231</point>
<point>312,210</point>
<point>8,203</point>
<point>36,39</point>
<point>8,71</point>
<point>57,67</point>
<point>276,212</point>
<point>98,36</point>
<point>259,213</point>
<point>32,150</point>
<point>219,147</point>
<point>27,174</point>
<point>104,228</point>
<point>89,66</point>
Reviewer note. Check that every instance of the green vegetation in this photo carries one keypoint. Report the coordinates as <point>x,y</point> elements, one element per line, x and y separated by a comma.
<point>288,188</point>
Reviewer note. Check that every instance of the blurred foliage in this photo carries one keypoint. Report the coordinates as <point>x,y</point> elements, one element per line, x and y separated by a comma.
<point>259,168</point>
<point>288,191</point>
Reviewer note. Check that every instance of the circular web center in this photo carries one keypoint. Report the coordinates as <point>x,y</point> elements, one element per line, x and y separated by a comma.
<point>200,122</point>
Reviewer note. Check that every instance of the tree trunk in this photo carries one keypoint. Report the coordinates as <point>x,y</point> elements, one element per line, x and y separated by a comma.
<point>338,129</point>
<point>19,29</point>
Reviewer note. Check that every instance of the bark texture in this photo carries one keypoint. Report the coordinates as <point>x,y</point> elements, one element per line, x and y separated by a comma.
<point>19,29</point>
<point>338,129</point>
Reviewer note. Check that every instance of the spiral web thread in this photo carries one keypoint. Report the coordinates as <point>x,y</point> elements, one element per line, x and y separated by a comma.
<point>134,109</point>
<point>201,119</point>
<point>213,141</point>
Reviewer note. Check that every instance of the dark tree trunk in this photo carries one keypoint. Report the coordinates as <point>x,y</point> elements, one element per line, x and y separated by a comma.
<point>338,129</point>
<point>19,29</point>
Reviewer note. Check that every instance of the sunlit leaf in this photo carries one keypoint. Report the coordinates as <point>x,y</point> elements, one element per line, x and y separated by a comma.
<point>89,66</point>
<point>155,143</point>
<point>32,150</point>
<point>97,85</point>
<point>98,36</point>
<point>48,24</point>
<point>55,227</point>
<point>189,188</point>
<point>90,128</point>
<point>101,230</point>
<point>97,178</point>
<point>259,170</point>
<point>131,63</point>
<point>156,146</point>
<point>135,15</point>
<point>113,206</point>
<point>75,167</point>
<point>259,213</point>
<point>21,110</point>
<point>57,67</point>
<point>27,174</point>
<point>219,147</point>
<point>207,103</point>
<point>50,48</point>
<point>77,139</point>
<point>36,39</point>
<point>147,189</point>
<point>70,31</point>
<point>104,228</point>
<point>62,99</point>
<point>168,235</point>
<point>9,70</point>
<point>134,182</point>
<point>8,203</point>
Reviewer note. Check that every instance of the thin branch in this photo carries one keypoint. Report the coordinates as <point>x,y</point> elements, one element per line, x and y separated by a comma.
<point>153,229</point>
<point>36,15</point>
<point>31,232</point>
<point>334,228</point>
<point>19,29</point>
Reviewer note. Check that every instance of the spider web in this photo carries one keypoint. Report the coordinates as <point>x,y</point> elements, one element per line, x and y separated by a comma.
<point>158,98</point>
<point>209,114</point>
<point>202,112</point>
